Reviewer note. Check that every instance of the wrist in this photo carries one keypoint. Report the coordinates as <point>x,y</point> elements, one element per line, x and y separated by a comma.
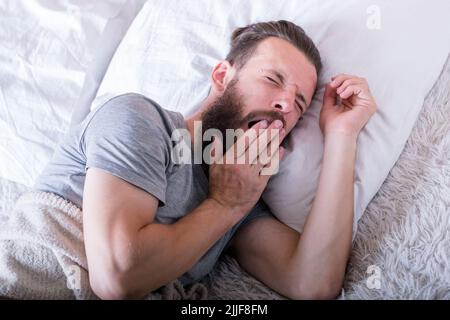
<point>231,214</point>
<point>341,136</point>
<point>340,143</point>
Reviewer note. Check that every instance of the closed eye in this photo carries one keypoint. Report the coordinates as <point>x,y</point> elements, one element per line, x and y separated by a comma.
<point>299,106</point>
<point>272,80</point>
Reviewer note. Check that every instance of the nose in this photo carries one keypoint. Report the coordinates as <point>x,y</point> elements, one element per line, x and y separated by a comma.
<point>285,102</point>
<point>282,106</point>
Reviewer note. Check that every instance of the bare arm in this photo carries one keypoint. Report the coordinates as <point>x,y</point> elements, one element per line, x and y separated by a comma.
<point>324,246</point>
<point>322,253</point>
<point>312,265</point>
<point>130,256</point>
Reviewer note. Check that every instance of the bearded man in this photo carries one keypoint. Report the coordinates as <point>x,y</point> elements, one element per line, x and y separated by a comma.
<point>148,220</point>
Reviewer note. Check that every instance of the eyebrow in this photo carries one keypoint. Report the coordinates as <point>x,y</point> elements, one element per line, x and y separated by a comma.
<point>281,77</point>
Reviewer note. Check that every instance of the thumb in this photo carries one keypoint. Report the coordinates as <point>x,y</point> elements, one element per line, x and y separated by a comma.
<point>329,97</point>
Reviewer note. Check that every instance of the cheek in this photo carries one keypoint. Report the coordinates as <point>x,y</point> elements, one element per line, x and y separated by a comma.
<point>292,122</point>
<point>262,97</point>
<point>257,100</point>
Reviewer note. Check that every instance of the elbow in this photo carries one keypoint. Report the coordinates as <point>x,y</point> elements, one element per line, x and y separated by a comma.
<point>112,279</point>
<point>116,274</point>
<point>110,285</point>
<point>323,290</point>
<point>112,273</point>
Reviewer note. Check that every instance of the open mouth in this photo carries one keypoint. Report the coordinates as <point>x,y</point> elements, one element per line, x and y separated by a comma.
<point>254,122</point>
<point>269,120</point>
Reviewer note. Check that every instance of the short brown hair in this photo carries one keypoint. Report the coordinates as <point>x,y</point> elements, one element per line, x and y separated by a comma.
<point>245,40</point>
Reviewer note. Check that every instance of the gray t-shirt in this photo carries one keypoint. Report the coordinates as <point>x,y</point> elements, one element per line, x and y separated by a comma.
<point>130,137</point>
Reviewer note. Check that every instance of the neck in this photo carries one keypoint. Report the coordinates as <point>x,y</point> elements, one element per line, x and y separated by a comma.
<point>197,116</point>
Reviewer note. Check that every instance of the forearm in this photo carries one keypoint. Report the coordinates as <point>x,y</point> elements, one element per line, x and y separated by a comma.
<point>165,252</point>
<point>324,246</point>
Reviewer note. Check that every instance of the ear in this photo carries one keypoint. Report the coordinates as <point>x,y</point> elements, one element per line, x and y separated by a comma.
<point>222,74</point>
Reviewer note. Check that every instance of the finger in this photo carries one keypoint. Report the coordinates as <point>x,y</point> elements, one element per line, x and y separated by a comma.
<point>346,83</point>
<point>350,90</point>
<point>252,151</point>
<point>273,166</point>
<point>243,143</point>
<point>346,104</point>
<point>253,133</point>
<point>277,154</point>
<point>329,97</point>
<point>271,135</point>
<point>339,79</point>
<point>267,160</point>
<point>264,156</point>
<point>266,153</point>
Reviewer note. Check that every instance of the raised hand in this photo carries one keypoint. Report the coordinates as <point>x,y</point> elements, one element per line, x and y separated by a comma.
<point>237,181</point>
<point>349,115</point>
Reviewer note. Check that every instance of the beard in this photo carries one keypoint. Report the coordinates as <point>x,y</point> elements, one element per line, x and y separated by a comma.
<point>227,112</point>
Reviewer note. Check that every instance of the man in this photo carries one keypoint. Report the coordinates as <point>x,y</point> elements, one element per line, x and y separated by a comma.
<point>148,220</point>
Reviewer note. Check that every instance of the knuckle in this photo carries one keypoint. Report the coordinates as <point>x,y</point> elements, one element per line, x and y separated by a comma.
<point>346,82</point>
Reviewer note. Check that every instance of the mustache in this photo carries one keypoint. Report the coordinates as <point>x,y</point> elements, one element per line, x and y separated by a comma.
<point>270,115</point>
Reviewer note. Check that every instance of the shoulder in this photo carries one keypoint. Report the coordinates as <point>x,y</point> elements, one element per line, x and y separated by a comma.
<point>132,112</point>
<point>136,105</point>
<point>131,101</point>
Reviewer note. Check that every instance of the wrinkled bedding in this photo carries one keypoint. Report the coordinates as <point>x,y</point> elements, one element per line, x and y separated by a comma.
<point>45,48</point>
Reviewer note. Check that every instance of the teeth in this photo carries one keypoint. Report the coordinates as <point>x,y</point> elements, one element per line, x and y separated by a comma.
<point>252,123</point>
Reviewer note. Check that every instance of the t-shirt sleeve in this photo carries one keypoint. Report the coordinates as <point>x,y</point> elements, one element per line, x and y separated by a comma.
<point>125,138</point>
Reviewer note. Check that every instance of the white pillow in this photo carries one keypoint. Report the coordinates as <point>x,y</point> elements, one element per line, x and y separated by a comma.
<point>113,32</point>
<point>398,46</point>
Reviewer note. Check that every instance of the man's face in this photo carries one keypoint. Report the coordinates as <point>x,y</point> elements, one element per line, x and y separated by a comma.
<point>277,82</point>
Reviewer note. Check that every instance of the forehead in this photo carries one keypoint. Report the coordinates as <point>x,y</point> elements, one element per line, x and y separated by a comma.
<point>279,54</point>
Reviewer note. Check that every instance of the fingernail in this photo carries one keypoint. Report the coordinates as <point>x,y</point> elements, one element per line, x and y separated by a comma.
<point>278,124</point>
<point>263,124</point>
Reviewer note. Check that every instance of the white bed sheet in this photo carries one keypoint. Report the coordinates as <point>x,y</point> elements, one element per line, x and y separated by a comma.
<point>9,192</point>
<point>45,48</point>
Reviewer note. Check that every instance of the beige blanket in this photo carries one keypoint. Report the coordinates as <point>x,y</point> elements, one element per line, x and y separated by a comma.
<point>42,253</point>
<point>41,250</point>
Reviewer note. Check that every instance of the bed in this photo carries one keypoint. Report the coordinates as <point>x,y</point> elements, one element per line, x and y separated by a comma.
<point>54,53</point>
